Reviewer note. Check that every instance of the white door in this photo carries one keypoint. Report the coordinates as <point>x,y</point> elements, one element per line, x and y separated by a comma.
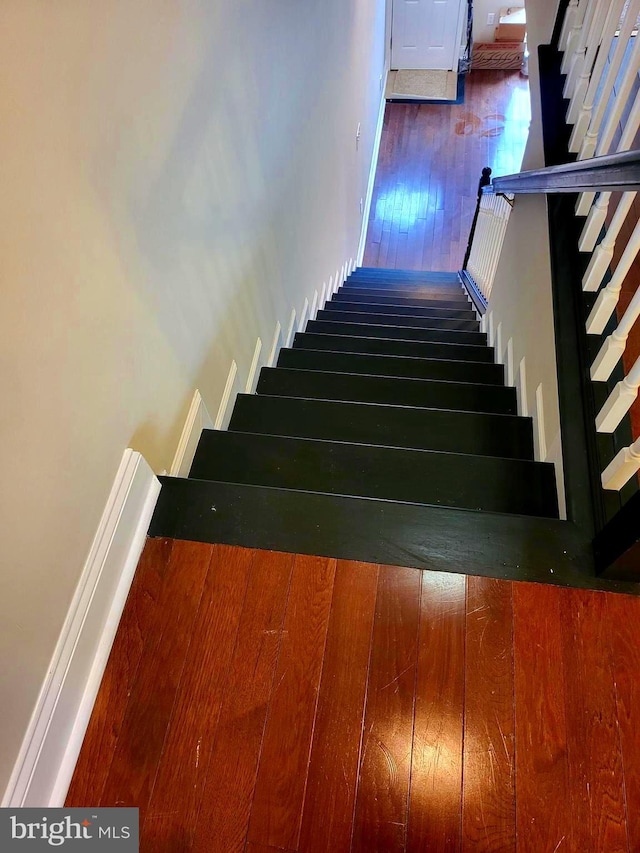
<point>424,34</point>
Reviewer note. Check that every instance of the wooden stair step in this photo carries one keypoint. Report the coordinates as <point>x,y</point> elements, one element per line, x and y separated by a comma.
<point>496,545</point>
<point>382,346</point>
<point>480,483</point>
<point>383,297</point>
<point>423,393</point>
<point>453,431</point>
<point>401,320</point>
<point>392,365</point>
<point>335,327</point>
<point>408,310</point>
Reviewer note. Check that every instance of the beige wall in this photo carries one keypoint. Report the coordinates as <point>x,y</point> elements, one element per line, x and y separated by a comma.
<point>176,176</point>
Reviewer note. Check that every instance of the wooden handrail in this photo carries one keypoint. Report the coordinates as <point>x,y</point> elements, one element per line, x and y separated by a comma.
<point>485,181</point>
<point>611,173</point>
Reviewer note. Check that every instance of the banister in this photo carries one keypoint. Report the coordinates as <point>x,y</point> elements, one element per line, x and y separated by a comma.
<point>610,173</point>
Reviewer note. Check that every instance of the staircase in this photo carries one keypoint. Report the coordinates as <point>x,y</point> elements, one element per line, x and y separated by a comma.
<point>385,433</point>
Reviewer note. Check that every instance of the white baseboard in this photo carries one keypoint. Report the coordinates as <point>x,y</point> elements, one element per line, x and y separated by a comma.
<point>198,419</point>
<point>372,173</point>
<point>314,306</point>
<point>275,346</point>
<point>50,749</point>
<point>231,388</point>
<point>252,379</point>
<point>292,328</point>
<point>304,316</point>
<point>323,295</point>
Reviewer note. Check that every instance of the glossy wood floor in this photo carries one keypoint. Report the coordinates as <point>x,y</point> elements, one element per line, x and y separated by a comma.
<point>431,158</point>
<point>258,702</point>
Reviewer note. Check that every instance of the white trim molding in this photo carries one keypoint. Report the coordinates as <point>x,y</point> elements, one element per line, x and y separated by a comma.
<point>292,328</point>
<point>230,390</point>
<point>275,346</point>
<point>372,172</point>
<point>254,370</point>
<point>51,745</point>
<point>198,418</point>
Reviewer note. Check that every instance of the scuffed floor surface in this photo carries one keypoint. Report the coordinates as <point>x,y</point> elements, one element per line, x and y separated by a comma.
<point>258,701</point>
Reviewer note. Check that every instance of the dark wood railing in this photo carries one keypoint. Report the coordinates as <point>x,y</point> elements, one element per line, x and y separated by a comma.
<point>615,172</point>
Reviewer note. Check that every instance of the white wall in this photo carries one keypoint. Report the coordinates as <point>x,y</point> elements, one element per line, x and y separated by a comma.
<point>521,309</point>
<point>176,175</point>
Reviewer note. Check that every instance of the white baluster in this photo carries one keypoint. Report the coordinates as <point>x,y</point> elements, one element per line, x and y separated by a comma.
<point>587,34</point>
<point>567,24</point>
<point>598,28</point>
<point>493,247</point>
<point>603,255</point>
<point>595,220</point>
<point>621,469</point>
<point>483,251</point>
<point>576,34</point>
<point>626,141</point>
<point>619,401</point>
<point>608,297</point>
<point>580,113</point>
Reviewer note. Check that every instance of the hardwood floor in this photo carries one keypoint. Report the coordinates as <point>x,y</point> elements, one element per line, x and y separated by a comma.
<point>430,161</point>
<point>257,701</point>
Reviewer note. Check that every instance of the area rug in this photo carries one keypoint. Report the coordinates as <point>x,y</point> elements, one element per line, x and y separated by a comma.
<point>423,85</point>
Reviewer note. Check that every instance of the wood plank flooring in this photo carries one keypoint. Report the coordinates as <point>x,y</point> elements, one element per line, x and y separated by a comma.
<point>261,702</point>
<point>431,158</point>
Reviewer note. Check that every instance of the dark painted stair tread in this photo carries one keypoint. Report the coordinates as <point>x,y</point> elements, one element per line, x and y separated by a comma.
<point>394,426</point>
<point>396,391</point>
<point>329,313</point>
<point>401,310</point>
<point>404,333</point>
<point>416,349</point>
<point>427,279</point>
<point>392,365</point>
<point>481,483</point>
<point>425,293</point>
<point>399,299</point>
<point>512,547</point>
<point>383,272</point>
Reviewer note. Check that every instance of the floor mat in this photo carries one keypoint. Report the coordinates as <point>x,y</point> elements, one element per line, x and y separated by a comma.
<point>427,85</point>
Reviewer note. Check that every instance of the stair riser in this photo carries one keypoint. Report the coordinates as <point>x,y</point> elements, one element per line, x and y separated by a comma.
<point>416,476</point>
<point>444,282</point>
<point>380,365</point>
<point>400,310</point>
<point>393,274</point>
<point>455,432</point>
<point>283,382</point>
<point>427,294</point>
<point>413,349</point>
<point>404,333</point>
<point>400,320</point>
<point>383,298</point>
